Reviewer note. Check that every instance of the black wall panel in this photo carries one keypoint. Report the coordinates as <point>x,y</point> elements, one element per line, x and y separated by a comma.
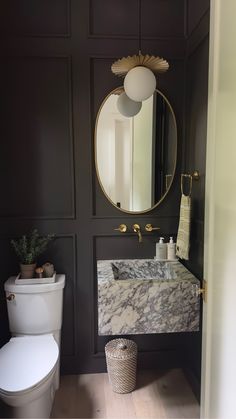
<point>35,18</point>
<point>114,17</point>
<point>50,91</point>
<point>159,18</point>
<point>37,171</point>
<point>196,129</point>
<point>195,150</point>
<point>196,11</point>
<point>168,18</point>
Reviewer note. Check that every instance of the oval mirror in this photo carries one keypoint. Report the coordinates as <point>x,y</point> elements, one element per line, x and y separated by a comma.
<point>136,156</point>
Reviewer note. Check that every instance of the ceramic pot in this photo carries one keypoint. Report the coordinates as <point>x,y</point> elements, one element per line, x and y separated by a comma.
<point>27,271</point>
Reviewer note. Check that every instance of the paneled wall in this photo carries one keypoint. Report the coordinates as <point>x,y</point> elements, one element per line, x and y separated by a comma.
<point>55,74</point>
<point>195,138</point>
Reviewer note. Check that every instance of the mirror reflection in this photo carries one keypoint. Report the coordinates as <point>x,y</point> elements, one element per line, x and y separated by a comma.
<point>136,156</point>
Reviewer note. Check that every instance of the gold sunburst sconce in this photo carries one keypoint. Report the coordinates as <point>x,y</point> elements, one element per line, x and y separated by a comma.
<point>139,71</point>
<point>122,66</point>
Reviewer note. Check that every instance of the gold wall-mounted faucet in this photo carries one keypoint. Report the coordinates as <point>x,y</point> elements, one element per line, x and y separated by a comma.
<point>136,228</point>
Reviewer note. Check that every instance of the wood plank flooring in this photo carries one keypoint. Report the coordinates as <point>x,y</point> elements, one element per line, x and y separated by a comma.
<point>158,395</point>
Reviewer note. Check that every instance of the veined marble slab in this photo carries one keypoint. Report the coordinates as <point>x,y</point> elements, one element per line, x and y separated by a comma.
<point>141,296</point>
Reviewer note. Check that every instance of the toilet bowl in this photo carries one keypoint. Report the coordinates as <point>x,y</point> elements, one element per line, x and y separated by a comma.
<point>30,361</point>
<point>28,366</point>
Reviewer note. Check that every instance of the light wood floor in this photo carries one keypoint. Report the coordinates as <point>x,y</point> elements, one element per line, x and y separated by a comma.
<point>158,395</point>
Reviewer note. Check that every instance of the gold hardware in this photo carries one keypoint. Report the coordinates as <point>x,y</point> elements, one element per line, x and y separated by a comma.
<point>136,228</point>
<point>203,291</point>
<point>124,64</point>
<point>149,227</point>
<point>190,185</point>
<point>10,297</point>
<point>196,175</point>
<point>168,180</point>
<point>122,228</point>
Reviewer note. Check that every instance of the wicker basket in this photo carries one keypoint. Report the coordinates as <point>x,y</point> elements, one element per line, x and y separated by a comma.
<point>121,359</point>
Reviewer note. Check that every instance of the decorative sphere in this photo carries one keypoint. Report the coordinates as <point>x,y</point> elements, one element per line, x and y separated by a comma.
<point>126,106</point>
<point>139,83</point>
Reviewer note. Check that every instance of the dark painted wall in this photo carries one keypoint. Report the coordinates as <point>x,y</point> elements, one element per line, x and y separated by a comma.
<point>56,59</point>
<point>195,139</point>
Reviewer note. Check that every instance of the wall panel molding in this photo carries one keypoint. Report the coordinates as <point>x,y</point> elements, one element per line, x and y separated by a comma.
<point>195,13</point>
<point>35,109</point>
<point>199,34</point>
<point>124,23</point>
<point>111,19</point>
<point>131,216</point>
<point>26,22</point>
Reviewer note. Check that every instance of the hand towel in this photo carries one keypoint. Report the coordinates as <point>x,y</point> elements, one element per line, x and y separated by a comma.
<point>183,236</point>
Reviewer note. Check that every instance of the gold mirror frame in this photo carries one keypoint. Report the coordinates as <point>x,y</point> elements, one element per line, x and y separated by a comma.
<point>118,91</point>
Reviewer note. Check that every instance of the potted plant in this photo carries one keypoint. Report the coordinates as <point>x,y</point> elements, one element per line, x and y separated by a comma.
<point>28,248</point>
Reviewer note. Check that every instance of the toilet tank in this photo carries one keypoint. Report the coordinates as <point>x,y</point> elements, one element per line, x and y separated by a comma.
<point>35,308</point>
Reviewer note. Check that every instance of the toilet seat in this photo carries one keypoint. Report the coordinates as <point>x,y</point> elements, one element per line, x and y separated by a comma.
<point>25,361</point>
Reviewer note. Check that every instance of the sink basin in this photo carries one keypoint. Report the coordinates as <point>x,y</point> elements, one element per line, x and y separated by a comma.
<point>141,296</point>
<point>143,269</point>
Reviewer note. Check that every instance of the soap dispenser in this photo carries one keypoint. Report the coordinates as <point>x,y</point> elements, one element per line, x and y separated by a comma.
<point>171,249</point>
<point>161,250</point>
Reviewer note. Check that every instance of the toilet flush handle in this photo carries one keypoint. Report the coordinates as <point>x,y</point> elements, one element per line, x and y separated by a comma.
<point>10,297</point>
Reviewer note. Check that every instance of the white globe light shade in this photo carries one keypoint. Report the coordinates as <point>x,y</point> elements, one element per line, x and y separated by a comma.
<point>139,83</point>
<point>126,106</point>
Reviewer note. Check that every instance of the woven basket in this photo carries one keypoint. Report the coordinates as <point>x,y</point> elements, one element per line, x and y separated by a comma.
<point>121,359</point>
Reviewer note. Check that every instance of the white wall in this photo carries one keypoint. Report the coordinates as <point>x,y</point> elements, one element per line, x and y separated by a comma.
<point>142,157</point>
<point>124,155</point>
<point>122,161</point>
<point>114,152</point>
<point>219,337</point>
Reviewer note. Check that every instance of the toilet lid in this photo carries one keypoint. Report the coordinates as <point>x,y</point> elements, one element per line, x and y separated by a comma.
<point>26,360</point>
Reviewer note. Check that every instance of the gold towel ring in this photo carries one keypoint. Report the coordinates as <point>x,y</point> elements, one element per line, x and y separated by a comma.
<point>190,184</point>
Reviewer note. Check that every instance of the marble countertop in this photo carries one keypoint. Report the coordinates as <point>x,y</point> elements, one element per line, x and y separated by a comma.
<point>137,296</point>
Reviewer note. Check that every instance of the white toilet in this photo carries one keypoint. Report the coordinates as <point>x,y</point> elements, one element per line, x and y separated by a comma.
<point>29,362</point>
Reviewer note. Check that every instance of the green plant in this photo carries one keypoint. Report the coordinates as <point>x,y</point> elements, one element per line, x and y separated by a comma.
<point>30,246</point>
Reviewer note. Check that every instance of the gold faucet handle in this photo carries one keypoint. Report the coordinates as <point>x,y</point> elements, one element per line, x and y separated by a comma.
<point>136,227</point>
<point>122,228</point>
<point>149,227</point>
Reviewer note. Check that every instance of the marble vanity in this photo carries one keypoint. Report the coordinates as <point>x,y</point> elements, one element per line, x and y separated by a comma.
<point>141,296</point>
